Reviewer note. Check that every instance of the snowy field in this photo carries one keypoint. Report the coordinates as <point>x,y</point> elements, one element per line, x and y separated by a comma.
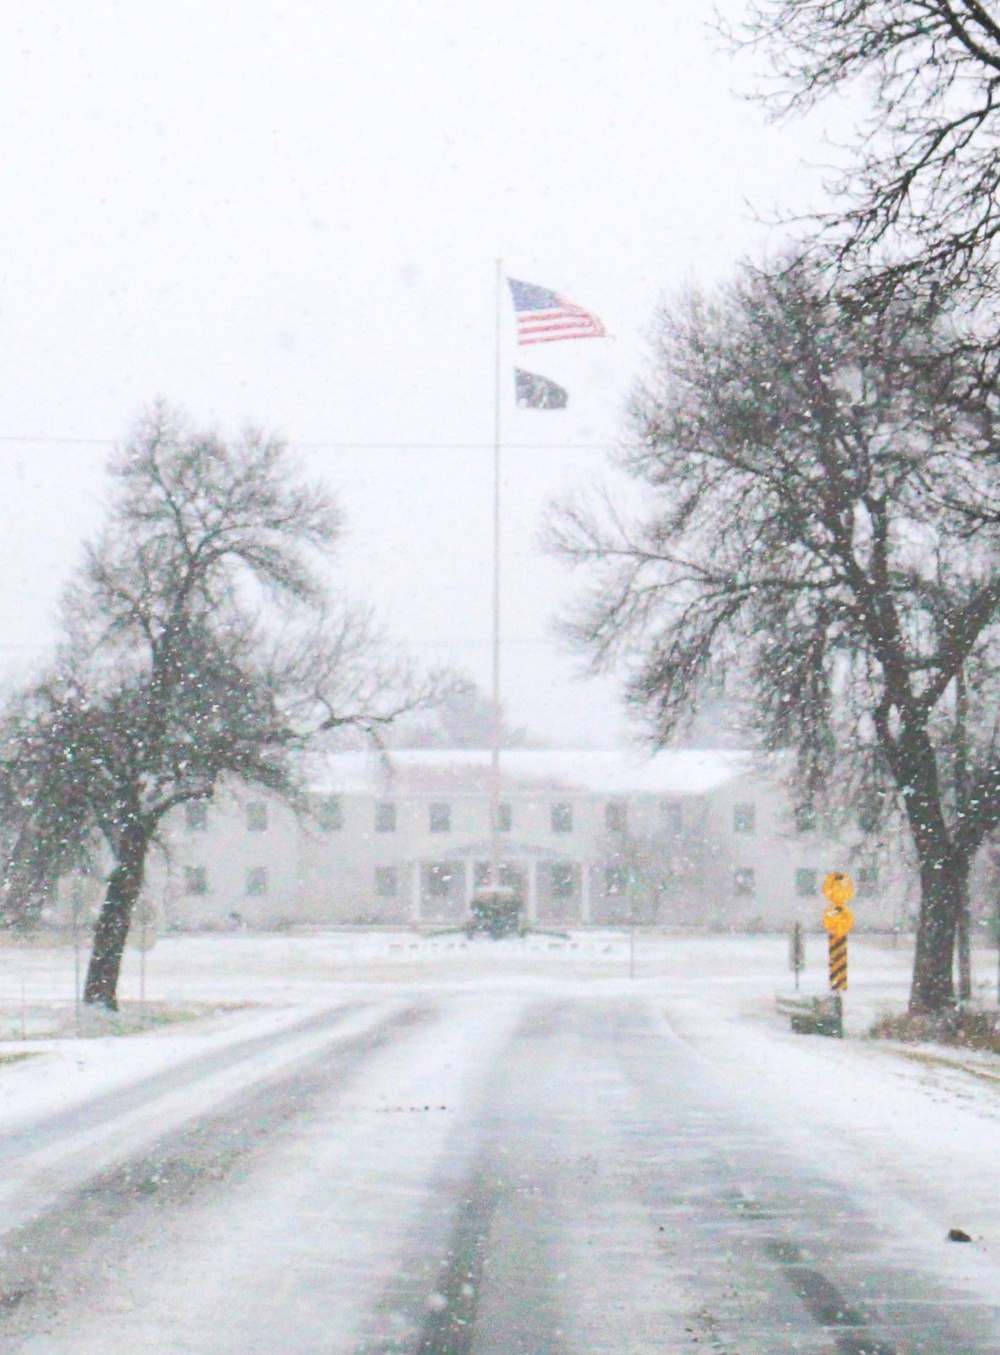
<point>738,974</point>
<point>269,968</point>
<point>642,1105</point>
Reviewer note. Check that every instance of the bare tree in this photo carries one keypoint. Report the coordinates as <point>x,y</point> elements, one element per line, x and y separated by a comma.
<point>642,872</point>
<point>463,719</point>
<point>919,197</point>
<point>200,644</point>
<point>822,533</point>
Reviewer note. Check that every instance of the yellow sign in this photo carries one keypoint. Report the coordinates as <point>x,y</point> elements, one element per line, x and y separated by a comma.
<point>838,919</point>
<point>838,888</point>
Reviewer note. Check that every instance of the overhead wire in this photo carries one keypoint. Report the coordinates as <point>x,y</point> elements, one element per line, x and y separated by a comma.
<point>9,438</point>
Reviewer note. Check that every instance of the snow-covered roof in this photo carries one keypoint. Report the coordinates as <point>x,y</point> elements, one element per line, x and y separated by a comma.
<point>673,772</point>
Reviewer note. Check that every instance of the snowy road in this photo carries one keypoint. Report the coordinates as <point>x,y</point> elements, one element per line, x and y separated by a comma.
<point>544,1167</point>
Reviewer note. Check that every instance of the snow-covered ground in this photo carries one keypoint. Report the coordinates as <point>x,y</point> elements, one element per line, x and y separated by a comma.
<point>621,1081</point>
<point>742,972</point>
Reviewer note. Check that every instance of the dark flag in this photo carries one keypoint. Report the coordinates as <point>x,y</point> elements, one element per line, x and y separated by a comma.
<point>538,392</point>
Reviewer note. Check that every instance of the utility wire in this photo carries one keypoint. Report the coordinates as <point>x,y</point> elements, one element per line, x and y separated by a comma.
<point>348,446</point>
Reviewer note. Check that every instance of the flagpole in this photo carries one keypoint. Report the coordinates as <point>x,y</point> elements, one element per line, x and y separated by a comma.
<point>497,715</point>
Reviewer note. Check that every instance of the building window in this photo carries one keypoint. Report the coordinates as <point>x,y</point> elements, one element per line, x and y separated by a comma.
<point>868,881</point>
<point>805,883</point>
<point>440,878</point>
<point>615,816</point>
<point>256,881</point>
<point>195,880</point>
<point>386,882</point>
<point>805,818</point>
<point>505,818</point>
<point>256,817</point>
<point>744,817</point>
<point>196,816</point>
<point>871,811</point>
<point>440,817</point>
<point>744,882</point>
<point>670,816</point>
<point>562,880</point>
<point>330,814</point>
<point>562,818</point>
<point>385,817</point>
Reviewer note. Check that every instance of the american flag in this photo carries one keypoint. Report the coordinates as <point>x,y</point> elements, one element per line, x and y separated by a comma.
<point>544,316</point>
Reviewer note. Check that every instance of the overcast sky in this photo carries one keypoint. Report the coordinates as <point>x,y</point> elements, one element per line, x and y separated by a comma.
<point>288,214</point>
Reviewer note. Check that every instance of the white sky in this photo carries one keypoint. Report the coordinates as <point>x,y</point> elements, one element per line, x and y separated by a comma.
<point>288,213</point>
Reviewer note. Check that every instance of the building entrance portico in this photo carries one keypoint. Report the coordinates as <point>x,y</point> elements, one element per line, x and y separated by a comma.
<point>443,890</point>
<point>552,886</point>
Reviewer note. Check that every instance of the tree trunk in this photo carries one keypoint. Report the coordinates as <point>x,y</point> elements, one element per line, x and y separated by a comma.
<point>113,923</point>
<point>943,885</point>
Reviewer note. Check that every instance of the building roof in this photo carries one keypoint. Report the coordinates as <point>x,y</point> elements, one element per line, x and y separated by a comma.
<point>677,772</point>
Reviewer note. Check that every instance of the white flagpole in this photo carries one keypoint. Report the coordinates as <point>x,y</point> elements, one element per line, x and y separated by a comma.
<point>497,715</point>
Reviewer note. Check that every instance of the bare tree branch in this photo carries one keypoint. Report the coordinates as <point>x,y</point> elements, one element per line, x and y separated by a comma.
<point>918,202</point>
<point>201,645</point>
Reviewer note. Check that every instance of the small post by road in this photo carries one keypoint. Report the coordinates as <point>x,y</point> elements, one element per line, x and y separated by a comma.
<point>838,921</point>
<point>76,903</point>
<point>144,922</point>
<point>142,967</point>
<point>630,887</point>
<point>797,952</point>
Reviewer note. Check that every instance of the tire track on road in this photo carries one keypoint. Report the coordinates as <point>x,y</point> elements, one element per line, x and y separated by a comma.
<point>289,1251</point>
<point>73,1244</point>
<point>111,1105</point>
<point>778,1252</point>
<point>609,1196</point>
<point>479,1279</point>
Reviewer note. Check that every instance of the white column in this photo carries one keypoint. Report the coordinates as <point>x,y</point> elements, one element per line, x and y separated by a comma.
<point>584,891</point>
<point>470,882</point>
<point>532,889</point>
<point>415,886</point>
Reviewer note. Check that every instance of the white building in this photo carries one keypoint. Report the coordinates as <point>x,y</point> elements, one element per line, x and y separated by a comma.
<point>677,838</point>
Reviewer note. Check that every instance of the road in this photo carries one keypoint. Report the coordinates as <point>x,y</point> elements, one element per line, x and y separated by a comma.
<point>536,1168</point>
